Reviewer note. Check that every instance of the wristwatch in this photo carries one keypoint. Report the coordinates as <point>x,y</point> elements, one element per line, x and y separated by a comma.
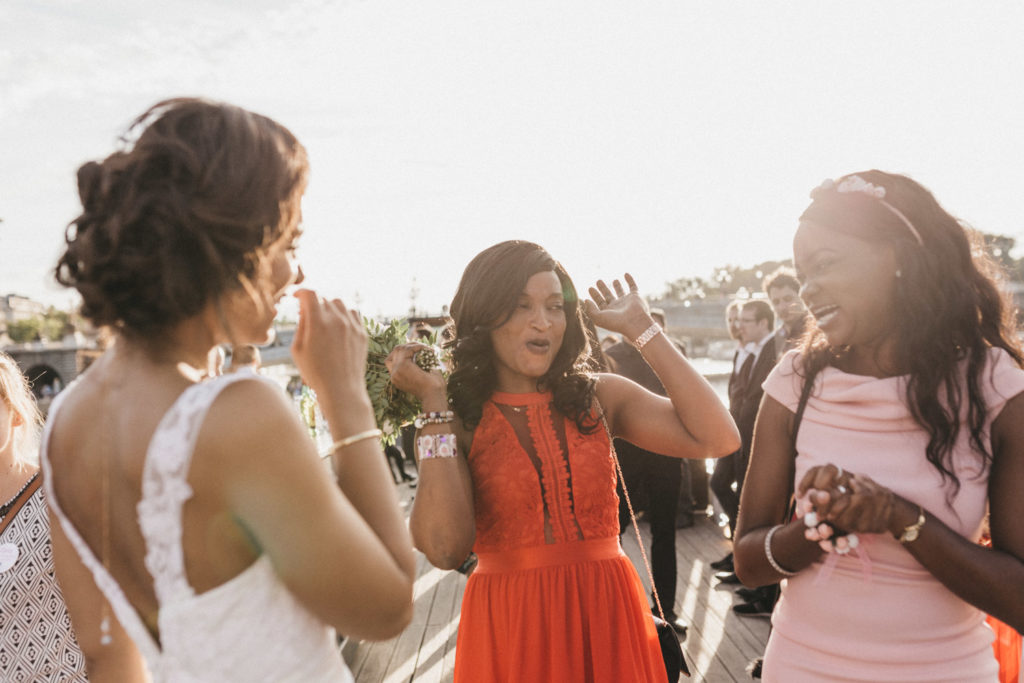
<point>910,533</point>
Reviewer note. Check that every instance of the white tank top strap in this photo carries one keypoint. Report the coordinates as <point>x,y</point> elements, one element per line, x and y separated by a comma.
<point>165,487</point>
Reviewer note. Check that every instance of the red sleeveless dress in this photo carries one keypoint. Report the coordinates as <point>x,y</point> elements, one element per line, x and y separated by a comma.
<point>553,597</point>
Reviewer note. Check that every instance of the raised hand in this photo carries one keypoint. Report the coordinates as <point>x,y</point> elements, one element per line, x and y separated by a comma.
<point>620,310</point>
<point>330,345</point>
<point>408,376</point>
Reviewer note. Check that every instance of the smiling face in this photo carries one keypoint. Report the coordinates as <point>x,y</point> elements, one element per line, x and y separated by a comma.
<point>526,344</point>
<point>787,305</point>
<point>847,285</point>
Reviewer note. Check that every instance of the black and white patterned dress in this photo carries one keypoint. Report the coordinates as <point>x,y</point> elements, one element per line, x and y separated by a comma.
<point>37,643</point>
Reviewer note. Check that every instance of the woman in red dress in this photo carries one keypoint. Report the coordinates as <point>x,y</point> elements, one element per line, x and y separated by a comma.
<point>516,465</point>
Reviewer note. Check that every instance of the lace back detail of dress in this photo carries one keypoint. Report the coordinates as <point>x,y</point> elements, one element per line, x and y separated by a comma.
<point>165,487</point>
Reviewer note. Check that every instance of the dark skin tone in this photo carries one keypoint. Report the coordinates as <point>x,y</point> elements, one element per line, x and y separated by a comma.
<point>991,579</point>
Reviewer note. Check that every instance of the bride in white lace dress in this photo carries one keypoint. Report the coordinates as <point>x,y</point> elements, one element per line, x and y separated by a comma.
<point>196,534</point>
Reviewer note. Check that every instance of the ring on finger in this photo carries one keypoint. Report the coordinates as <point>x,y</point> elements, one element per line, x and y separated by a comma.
<point>841,488</point>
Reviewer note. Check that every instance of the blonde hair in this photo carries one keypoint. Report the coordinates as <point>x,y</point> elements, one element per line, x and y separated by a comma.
<point>15,392</point>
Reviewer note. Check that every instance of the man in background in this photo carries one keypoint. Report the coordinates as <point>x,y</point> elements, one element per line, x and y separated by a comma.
<point>783,291</point>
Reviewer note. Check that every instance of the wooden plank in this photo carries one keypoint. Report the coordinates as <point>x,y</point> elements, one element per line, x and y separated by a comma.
<point>719,644</point>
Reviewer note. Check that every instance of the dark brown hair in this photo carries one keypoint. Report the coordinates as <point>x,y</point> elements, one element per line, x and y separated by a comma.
<point>181,215</point>
<point>947,305</point>
<point>484,301</point>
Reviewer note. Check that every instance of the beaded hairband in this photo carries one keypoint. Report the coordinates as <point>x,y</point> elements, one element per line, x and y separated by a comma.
<point>855,183</point>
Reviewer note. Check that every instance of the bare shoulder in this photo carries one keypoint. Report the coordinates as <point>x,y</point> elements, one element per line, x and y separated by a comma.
<point>251,418</point>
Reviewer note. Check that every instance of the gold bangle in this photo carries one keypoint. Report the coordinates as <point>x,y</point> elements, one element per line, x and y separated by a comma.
<point>349,440</point>
<point>911,532</point>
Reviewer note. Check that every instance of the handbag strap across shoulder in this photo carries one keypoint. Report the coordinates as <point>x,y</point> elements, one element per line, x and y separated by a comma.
<point>632,515</point>
<point>22,498</point>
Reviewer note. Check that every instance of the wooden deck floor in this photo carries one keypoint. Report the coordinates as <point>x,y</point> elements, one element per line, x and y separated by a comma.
<point>719,644</point>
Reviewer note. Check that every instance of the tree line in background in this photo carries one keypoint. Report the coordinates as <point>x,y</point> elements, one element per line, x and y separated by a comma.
<point>728,281</point>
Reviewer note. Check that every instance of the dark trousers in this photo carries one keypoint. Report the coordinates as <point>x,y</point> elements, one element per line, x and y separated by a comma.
<point>722,479</point>
<point>654,481</point>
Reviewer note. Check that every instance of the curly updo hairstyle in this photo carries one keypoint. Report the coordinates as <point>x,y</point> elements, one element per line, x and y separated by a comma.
<point>948,304</point>
<point>485,300</point>
<point>183,214</point>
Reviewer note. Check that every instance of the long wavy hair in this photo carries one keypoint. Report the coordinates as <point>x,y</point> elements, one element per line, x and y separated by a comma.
<point>484,301</point>
<point>947,305</point>
<point>186,211</point>
<point>15,392</point>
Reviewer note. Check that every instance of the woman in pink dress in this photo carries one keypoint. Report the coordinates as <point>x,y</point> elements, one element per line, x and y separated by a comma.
<point>913,430</point>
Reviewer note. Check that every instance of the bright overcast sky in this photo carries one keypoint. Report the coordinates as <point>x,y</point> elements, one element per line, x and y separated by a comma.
<point>663,138</point>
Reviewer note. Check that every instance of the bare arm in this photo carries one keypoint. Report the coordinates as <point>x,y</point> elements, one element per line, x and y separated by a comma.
<point>765,501</point>
<point>991,579</point>
<point>116,662</point>
<point>347,557</point>
<point>442,519</point>
<point>692,422</point>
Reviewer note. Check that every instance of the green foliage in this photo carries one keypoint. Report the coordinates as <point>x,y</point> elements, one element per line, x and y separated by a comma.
<point>392,407</point>
<point>21,331</point>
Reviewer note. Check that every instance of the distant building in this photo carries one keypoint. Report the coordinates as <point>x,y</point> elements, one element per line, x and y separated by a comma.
<point>15,307</point>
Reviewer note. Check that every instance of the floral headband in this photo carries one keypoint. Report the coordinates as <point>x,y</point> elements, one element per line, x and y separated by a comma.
<point>855,183</point>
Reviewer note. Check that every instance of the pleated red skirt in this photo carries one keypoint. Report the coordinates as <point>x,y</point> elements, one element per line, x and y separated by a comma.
<point>565,613</point>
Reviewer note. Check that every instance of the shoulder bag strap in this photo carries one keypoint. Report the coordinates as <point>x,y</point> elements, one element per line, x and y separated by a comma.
<point>632,515</point>
<point>805,395</point>
<point>21,500</point>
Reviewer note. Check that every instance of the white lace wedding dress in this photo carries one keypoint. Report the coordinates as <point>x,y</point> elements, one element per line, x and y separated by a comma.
<point>249,628</point>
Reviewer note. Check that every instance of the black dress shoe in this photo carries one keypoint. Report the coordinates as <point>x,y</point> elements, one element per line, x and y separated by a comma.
<point>756,608</point>
<point>748,594</point>
<point>722,565</point>
<point>730,578</point>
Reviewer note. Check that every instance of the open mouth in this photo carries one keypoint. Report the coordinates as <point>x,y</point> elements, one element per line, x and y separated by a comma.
<point>538,345</point>
<point>824,314</point>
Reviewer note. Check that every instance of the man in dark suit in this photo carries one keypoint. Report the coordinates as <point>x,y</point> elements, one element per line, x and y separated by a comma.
<point>653,479</point>
<point>751,365</point>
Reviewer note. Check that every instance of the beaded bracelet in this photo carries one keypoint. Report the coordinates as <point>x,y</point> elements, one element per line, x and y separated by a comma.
<point>436,446</point>
<point>650,333</point>
<point>434,418</point>
<point>349,440</point>
<point>768,552</point>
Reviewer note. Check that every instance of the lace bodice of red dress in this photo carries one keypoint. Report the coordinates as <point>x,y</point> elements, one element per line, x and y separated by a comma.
<point>538,480</point>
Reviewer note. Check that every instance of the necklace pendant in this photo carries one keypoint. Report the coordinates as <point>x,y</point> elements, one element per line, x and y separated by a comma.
<point>8,556</point>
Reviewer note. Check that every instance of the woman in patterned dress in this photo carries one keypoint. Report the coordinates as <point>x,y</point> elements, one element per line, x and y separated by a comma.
<point>37,642</point>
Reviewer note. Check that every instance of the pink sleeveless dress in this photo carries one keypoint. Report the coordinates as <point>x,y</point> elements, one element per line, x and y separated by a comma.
<point>882,616</point>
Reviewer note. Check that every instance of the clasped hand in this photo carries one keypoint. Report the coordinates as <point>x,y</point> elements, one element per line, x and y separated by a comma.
<point>849,502</point>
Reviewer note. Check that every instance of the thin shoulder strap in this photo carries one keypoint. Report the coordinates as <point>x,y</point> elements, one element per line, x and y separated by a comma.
<point>798,418</point>
<point>165,487</point>
<point>23,496</point>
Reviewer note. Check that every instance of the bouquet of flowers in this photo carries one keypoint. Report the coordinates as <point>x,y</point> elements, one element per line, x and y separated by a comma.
<point>392,407</point>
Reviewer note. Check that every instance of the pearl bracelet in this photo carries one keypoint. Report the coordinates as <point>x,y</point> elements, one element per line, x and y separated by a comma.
<point>650,333</point>
<point>434,418</point>
<point>768,552</point>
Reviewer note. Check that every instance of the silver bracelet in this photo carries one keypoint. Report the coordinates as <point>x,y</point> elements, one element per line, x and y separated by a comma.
<point>648,334</point>
<point>768,552</point>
